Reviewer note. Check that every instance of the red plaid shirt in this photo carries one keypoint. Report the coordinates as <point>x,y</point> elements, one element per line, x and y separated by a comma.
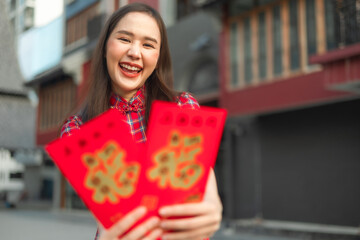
<point>132,112</point>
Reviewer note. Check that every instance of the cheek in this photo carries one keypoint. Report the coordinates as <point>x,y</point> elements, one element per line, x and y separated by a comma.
<point>112,49</point>
<point>154,58</point>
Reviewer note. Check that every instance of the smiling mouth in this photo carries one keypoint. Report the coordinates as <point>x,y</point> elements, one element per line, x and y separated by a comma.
<point>130,68</point>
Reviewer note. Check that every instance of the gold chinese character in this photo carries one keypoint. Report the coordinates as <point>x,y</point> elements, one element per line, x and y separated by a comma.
<point>109,175</point>
<point>175,164</point>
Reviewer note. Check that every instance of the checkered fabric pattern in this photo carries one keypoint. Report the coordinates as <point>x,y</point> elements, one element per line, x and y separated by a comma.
<point>185,100</point>
<point>132,113</point>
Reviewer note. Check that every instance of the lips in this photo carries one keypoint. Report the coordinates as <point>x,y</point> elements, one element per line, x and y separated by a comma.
<point>130,69</point>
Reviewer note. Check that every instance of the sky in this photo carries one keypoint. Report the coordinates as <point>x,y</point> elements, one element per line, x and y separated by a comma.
<point>46,11</point>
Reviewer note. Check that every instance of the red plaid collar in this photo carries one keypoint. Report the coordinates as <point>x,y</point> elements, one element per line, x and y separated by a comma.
<point>136,103</point>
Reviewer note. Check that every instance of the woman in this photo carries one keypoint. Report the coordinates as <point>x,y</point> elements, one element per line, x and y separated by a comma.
<point>131,67</point>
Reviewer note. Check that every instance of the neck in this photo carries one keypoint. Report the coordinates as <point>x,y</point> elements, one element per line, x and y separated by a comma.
<point>125,95</point>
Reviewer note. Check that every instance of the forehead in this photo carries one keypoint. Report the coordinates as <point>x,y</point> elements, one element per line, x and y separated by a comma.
<point>140,24</point>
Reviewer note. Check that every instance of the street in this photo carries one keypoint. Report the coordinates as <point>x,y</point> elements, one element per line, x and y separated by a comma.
<point>43,224</point>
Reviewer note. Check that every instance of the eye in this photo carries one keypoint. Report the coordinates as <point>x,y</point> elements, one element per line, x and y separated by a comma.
<point>148,45</point>
<point>124,39</point>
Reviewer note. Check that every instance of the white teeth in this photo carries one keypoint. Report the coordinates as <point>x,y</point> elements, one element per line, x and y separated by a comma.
<point>130,67</point>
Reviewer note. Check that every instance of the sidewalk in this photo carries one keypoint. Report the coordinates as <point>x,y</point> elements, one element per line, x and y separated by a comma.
<point>42,224</point>
<point>37,220</point>
<point>230,234</point>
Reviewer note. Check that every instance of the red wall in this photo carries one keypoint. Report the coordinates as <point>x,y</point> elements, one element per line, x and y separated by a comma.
<point>45,137</point>
<point>81,89</point>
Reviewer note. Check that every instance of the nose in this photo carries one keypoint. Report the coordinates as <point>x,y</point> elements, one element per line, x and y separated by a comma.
<point>134,51</point>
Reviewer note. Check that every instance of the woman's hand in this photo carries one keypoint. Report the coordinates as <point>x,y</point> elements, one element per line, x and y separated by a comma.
<point>201,220</point>
<point>147,230</point>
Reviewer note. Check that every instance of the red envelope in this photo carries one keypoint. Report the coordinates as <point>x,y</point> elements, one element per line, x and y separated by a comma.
<point>101,162</point>
<point>181,149</point>
<point>113,175</point>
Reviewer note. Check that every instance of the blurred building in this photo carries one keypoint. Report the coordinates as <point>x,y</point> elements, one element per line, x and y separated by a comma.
<point>21,14</point>
<point>57,85</point>
<point>38,50</point>
<point>289,78</point>
<point>16,110</point>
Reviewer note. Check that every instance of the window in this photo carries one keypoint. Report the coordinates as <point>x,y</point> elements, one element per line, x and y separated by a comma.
<point>16,175</point>
<point>330,24</point>
<point>262,46</point>
<point>248,51</point>
<point>277,41</point>
<point>12,5</point>
<point>76,27</point>
<point>343,22</point>
<point>311,27</point>
<point>233,53</point>
<point>351,13</point>
<point>28,18</point>
<point>294,35</point>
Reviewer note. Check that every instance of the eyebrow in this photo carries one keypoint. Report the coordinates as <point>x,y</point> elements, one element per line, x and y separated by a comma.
<point>132,35</point>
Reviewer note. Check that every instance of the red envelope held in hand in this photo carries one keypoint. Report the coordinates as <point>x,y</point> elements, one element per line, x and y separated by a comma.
<point>181,149</point>
<point>113,175</point>
<point>101,162</point>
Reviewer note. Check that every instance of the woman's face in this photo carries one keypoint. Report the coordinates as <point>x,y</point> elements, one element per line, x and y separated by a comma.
<point>132,52</point>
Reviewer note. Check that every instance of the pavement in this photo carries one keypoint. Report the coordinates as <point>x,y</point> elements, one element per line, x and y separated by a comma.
<point>21,224</point>
<point>39,221</point>
<point>45,225</point>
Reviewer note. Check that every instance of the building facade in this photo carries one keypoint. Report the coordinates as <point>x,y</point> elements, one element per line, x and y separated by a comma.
<point>17,138</point>
<point>21,15</point>
<point>289,79</point>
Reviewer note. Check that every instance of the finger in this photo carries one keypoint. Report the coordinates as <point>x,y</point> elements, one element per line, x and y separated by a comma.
<point>126,222</point>
<point>142,229</point>
<point>187,209</point>
<point>195,234</point>
<point>155,234</point>
<point>191,223</point>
